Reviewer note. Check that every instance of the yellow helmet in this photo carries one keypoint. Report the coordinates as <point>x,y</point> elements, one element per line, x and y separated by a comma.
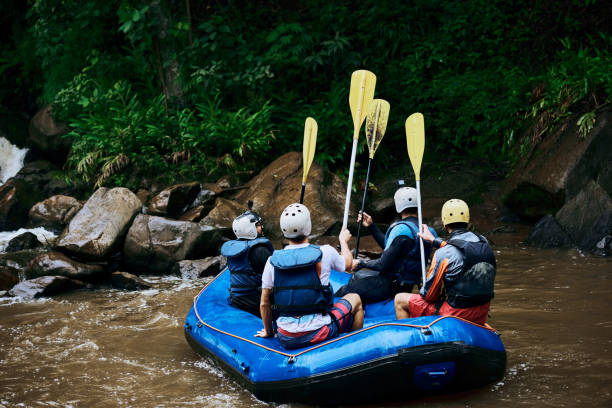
<point>455,210</point>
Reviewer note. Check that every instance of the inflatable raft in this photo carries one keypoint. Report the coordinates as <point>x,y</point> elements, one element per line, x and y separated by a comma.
<point>387,359</point>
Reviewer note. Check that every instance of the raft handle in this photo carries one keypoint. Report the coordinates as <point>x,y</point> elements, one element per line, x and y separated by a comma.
<point>187,327</point>
<point>426,331</point>
<point>200,324</point>
<point>291,360</point>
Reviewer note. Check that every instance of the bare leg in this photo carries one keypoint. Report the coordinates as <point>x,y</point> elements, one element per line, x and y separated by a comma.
<point>357,310</point>
<point>401,305</point>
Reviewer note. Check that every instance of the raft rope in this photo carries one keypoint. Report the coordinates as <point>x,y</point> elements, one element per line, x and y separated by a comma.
<point>293,356</point>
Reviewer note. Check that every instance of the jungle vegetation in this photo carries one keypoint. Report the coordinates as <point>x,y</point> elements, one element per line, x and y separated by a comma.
<point>191,89</point>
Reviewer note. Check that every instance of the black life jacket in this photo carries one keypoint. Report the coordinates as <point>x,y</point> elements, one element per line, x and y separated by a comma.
<point>243,279</point>
<point>297,288</point>
<point>473,284</point>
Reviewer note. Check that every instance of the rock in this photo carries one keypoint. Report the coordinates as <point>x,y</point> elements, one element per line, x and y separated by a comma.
<point>3,293</point>
<point>547,233</point>
<point>557,168</point>
<point>9,277</point>
<point>45,286</point>
<point>46,135</point>
<point>174,201</point>
<point>27,240</point>
<point>19,260</point>
<point>382,210</point>
<point>56,263</point>
<point>220,218</point>
<point>154,244</point>
<point>588,216</point>
<point>143,195</point>
<point>125,280</point>
<point>279,185</point>
<point>98,228</point>
<point>197,268</point>
<point>54,212</point>
<point>35,181</point>
<point>604,246</point>
<point>193,215</point>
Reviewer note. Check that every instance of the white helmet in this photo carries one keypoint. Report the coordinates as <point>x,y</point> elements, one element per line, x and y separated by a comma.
<point>295,221</point>
<point>245,225</point>
<point>405,197</point>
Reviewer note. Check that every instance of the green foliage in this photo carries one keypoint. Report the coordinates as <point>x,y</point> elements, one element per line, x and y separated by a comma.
<point>118,139</point>
<point>247,76</point>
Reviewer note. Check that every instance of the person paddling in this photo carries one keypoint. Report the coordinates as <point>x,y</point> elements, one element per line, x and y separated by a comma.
<point>246,257</point>
<point>296,288</point>
<point>399,267</point>
<point>460,279</point>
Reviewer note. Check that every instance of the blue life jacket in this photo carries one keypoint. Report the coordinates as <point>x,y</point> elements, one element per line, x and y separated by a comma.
<point>472,285</point>
<point>244,281</point>
<point>297,288</point>
<point>408,269</point>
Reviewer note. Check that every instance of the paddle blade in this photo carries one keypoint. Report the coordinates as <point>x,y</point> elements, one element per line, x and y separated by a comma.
<point>310,143</point>
<point>362,92</point>
<point>376,123</point>
<point>415,141</point>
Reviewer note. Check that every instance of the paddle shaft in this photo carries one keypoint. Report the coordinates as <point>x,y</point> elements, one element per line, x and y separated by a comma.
<point>365,193</point>
<point>418,188</point>
<point>302,193</point>
<point>350,181</point>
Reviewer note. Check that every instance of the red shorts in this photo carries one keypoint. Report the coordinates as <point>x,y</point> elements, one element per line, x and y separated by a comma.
<point>417,307</point>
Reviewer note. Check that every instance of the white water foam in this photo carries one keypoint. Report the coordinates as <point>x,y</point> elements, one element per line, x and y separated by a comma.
<point>11,159</point>
<point>44,236</point>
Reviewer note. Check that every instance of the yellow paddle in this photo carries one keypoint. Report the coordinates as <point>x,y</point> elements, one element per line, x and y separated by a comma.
<point>310,143</point>
<point>362,92</point>
<point>376,125</point>
<point>415,142</point>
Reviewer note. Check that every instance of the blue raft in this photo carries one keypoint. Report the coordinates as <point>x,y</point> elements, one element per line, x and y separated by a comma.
<point>388,359</point>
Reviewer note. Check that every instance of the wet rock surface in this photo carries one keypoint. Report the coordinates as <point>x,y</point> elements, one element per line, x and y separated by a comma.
<point>558,168</point>
<point>588,216</point>
<point>54,212</point>
<point>9,277</point>
<point>100,225</point>
<point>125,280</point>
<point>175,200</point>
<point>46,135</point>
<point>547,233</point>
<point>45,286</point>
<point>27,240</point>
<point>56,263</point>
<point>279,185</point>
<point>154,244</point>
<point>197,268</point>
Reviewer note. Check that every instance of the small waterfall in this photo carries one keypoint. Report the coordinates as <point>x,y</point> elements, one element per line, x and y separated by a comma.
<point>11,159</point>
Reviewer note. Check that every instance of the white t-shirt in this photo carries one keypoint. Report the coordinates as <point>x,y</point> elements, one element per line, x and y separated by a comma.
<point>331,259</point>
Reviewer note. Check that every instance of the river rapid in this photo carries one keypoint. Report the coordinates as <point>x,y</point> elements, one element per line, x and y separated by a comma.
<point>110,348</point>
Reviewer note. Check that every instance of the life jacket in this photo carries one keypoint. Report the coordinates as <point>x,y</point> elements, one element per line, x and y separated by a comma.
<point>244,280</point>
<point>473,284</point>
<point>297,288</point>
<point>408,269</point>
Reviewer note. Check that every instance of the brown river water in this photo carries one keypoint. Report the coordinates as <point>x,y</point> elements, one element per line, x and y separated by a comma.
<point>110,348</point>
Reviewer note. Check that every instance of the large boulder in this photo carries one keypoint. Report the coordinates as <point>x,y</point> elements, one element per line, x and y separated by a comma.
<point>35,181</point>
<point>46,135</point>
<point>556,169</point>
<point>547,233</point>
<point>45,286</point>
<point>154,244</point>
<point>175,200</point>
<point>9,277</point>
<point>98,228</point>
<point>197,268</point>
<point>588,216</point>
<point>279,185</point>
<point>54,212</point>
<point>127,281</point>
<point>220,218</point>
<point>27,240</point>
<point>56,263</point>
